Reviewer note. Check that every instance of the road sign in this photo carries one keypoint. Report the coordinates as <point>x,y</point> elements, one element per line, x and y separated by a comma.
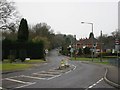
<point>71,50</point>
<point>117,41</point>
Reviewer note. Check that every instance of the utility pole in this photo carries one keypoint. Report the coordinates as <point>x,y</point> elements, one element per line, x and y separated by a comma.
<point>101,47</point>
<point>117,45</point>
<point>92,41</point>
<point>71,50</point>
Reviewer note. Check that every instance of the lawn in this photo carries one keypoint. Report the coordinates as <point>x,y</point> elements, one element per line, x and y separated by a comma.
<point>95,60</point>
<point>12,66</point>
<point>86,59</point>
<point>35,61</point>
<point>0,66</point>
<point>6,66</point>
<point>106,63</point>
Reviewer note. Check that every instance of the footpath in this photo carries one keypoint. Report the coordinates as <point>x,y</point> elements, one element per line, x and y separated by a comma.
<point>112,75</point>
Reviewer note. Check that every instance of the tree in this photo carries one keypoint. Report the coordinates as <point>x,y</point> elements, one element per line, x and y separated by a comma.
<point>8,16</point>
<point>44,40</point>
<point>91,35</point>
<point>23,32</point>
<point>86,50</point>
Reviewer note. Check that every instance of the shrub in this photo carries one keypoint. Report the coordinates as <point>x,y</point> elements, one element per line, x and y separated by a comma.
<point>22,54</point>
<point>11,58</point>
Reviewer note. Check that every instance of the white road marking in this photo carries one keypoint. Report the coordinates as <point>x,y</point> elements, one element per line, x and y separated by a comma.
<point>26,85</point>
<point>68,71</point>
<point>45,63</point>
<point>56,71</point>
<point>73,66</point>
<point>34,77</point>
<point>43,74</point>
<point>54,77</point>
<point>11,77</point>
<point>16,80</point>
<point>52,72</point>
<point>90,86</point>
<point>94,84</point>
<point>1,88</point>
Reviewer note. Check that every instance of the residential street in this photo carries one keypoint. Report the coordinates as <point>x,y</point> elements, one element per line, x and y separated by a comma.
<point>78,75</point>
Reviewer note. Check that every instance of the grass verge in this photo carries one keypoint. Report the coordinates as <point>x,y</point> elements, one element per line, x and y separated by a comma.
<point>11,66</point>
<point>6,66</point>
<point>95,60</point>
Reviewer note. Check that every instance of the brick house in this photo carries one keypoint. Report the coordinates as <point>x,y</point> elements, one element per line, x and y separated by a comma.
<point>87,42</point>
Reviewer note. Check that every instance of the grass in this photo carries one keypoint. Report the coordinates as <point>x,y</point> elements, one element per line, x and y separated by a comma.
<point>106,63</point>
<point>86,59</point>
<point>0,66</point>
<point>11,66</point>
<point>95,60</point>
<point>35,61</point>
<point>6,66</point>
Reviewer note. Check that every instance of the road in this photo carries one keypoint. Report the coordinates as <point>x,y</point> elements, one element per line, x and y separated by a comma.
<point>79,75</point>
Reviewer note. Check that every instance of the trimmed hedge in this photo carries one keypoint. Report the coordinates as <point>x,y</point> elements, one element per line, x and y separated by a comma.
<point>21,50</point>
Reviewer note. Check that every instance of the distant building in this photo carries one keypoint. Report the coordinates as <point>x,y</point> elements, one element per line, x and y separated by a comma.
<point>87,42</point>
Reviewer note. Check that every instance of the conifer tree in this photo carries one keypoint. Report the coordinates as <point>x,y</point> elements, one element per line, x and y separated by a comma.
<point>23,32</point>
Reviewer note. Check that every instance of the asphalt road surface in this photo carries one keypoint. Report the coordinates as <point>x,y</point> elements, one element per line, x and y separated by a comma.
<point>79,75</point>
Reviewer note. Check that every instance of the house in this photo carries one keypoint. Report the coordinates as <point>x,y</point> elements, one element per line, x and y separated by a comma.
<point>90,42</point>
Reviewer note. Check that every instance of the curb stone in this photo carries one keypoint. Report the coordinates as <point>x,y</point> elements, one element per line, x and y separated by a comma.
<point>105,77</point>
<point>109,81</point>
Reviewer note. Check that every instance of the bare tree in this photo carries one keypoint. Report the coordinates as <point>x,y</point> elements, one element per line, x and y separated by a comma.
<point>8,16</point>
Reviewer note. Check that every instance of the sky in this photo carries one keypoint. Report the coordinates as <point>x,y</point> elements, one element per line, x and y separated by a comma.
<point>65,16</point>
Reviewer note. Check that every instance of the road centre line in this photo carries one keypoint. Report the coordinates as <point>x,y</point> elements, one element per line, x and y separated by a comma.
<point>16,80</point>
<point>91,86</point>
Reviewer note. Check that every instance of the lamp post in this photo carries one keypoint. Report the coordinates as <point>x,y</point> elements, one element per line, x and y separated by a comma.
<point>101,46</point>
<point>92,37</point>
<point>75,46</point>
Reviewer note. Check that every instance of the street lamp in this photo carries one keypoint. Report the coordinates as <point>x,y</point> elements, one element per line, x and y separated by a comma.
<point>92,33</point>
<point>75,46</point>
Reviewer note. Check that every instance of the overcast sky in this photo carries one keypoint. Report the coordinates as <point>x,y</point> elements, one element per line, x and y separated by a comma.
<point>65,16</point>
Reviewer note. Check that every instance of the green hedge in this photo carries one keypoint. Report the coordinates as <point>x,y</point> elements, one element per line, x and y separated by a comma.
<point>22,49</point>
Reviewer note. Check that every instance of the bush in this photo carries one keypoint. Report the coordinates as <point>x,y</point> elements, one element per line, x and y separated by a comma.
<point>23,49</point>
<point>86,50</point>
<point>80,52</point>
<point>22,54</point>
<point>35,50</point>
<point>11,58</point>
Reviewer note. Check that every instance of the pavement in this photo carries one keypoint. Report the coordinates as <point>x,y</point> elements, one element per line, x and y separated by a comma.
<point>112,76</point>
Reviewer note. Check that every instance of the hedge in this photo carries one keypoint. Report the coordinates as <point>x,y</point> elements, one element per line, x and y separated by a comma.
<point>22,49</point>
